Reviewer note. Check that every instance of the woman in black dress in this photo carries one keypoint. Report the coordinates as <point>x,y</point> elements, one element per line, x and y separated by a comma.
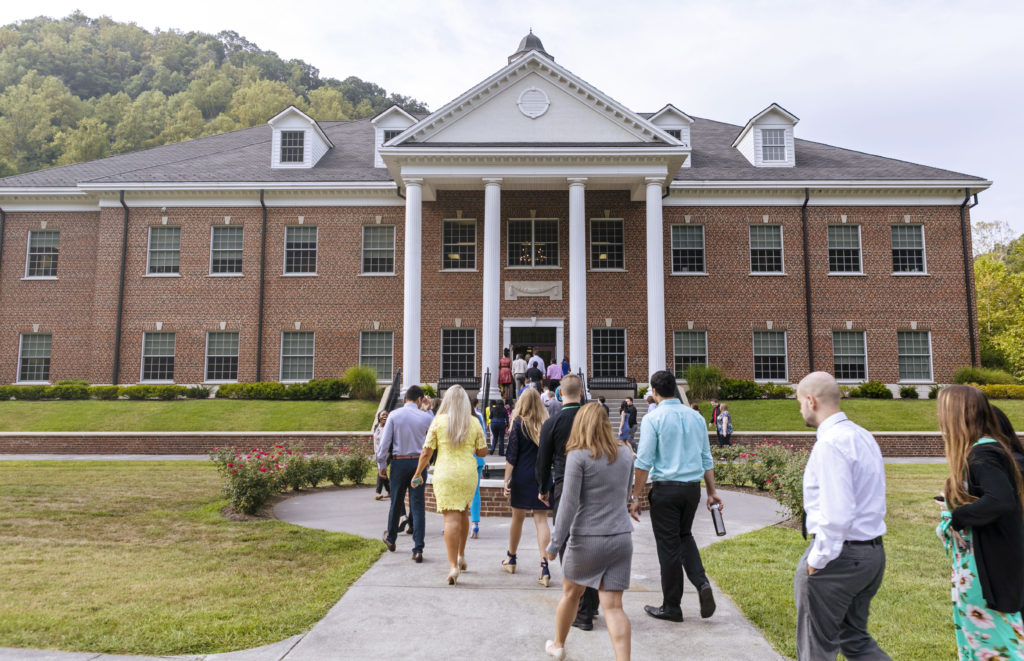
<point>521,481</point>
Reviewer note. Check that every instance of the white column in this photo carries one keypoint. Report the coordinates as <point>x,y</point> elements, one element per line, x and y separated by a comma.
<point>490,351</point>
<point>655,278</point>
<point>412,266</point>
<point>577,276</point>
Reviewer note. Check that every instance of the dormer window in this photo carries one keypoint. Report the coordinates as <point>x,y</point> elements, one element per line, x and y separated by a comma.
<point>773,144</point>
<point>293,146</point>
<point>387,126</point>
<point>390,134</point>
<point>675,133</point>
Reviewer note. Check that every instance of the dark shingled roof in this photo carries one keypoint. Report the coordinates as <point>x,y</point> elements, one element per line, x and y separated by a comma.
<point>244,156</point>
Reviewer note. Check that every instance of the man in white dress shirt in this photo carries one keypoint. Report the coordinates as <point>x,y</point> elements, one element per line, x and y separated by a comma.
<point>844,502</point>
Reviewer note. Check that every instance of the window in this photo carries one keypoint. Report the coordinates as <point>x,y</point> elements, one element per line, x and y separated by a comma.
<point>164,250</point>
<point>609,351</point>
<point>688,249</point>
<point>390,134</point>
<point>908,249</point>
<point>773,144</point>
<point>607,249</point>
<point>158,356</point>
<point>458,353</point>
<point>533,243</point>
<point>379,249</point>
<point>300,250</point>
<point>375,350</point>
<point>766,249</point>
<point>690,348</point>
<point>297,356</point>
<point>770,355</point>
<point>849,356</point>
<point>844,249</point>
<point>293,146</point>
<point>34,360</point>
<point>914,349</point>
<point>226,250</point>
<point>675,133</point>
<point>42,254</point>
<point>222,356</point>
<point>458,244</point>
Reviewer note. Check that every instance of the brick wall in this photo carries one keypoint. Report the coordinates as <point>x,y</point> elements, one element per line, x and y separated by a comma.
<point>892,444</point>
<point>171,442</point>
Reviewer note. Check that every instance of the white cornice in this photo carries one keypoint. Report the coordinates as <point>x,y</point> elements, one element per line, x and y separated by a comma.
<point>841,184</point>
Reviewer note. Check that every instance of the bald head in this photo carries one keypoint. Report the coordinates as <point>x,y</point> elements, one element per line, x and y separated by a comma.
<point>818,394</point>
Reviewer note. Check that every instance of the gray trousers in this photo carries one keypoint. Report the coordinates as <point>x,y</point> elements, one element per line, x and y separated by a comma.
<point>832,605</point>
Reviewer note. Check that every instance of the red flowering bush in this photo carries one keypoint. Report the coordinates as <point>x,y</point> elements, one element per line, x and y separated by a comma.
<point>769,466</point>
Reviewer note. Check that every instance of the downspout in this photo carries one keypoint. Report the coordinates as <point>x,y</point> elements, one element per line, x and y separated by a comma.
<point>116,375</point>
<point>967,272</point>
<point>259,317</point>
<point>398,191</point>
<point>3,221</point>
<point>807,281</point>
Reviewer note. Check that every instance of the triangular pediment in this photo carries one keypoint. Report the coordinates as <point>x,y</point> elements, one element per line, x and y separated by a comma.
<point>535,101</point>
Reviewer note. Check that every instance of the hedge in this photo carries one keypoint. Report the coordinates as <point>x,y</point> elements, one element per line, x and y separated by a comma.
<point>1003,391</point>
<point>320,389</point>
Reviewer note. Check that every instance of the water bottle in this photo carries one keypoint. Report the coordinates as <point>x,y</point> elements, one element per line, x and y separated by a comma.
<point>716,517</point>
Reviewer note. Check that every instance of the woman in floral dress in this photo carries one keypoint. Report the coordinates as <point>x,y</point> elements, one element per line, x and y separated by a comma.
<point>982,527</point>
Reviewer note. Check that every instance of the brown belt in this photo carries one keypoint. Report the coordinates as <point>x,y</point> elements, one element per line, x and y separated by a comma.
<point>406,456</point>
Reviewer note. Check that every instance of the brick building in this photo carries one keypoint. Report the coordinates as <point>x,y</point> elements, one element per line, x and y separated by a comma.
<point>533,211</point>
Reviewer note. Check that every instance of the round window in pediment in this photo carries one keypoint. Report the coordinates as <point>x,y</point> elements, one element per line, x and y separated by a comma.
<point>533,102</point>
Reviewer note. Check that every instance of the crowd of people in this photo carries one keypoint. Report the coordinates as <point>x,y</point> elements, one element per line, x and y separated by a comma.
<point>592,479</point>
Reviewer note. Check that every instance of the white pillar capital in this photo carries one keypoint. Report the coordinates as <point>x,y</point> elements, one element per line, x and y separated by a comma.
<point>576,181</point>
<point>412,181</point>
<point>654,181</point>
<point>493,181</point>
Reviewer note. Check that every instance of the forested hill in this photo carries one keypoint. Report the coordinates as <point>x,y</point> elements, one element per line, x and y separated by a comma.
<point>79,88</point>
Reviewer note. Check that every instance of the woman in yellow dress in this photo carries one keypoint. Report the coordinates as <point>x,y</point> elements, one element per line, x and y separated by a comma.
<point>457,437</point>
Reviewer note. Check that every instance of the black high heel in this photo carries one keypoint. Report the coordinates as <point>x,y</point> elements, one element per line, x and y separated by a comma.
<point>545,574</point>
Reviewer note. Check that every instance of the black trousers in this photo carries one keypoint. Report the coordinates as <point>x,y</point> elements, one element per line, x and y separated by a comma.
<point>590,601</point>
<point>673,507</point>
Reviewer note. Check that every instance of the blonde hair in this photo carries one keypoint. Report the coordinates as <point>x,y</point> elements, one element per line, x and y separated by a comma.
<point>530,409</point>
<point>965,416</point>
<point>592,431</point>
<point>456,406</point>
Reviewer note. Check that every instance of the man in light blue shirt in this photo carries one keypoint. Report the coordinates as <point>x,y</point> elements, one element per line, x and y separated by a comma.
<point>674,451</point>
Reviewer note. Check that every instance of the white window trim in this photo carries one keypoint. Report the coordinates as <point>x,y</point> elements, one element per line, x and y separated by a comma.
<point>280,364</point>
<point>679,377</point>
<point>281,163</point>
<point>924,256</point>
<point>206,359</point>
<point>149,243</point>
<point>782,250</point>
<point>867,370</point>
<point>785,347</point>
<point>240,273</point>
<point>860,251</point>
<point>360,357</point>
<point>931,359</point>
<point>625,347</point>
<point>590,247</point>
<point>284,255</point>
<point>142,359</point>
<point>785,153</point>
<point>475,240</point>
<point>704,248</point>
<point>362,251</point>
<point>21,342</point>
<point>533,242</point>
<point>28,253</point>
<point>441,352</point>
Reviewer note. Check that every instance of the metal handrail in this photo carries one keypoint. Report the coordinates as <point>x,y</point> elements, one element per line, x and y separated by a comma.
<point>583,384</point>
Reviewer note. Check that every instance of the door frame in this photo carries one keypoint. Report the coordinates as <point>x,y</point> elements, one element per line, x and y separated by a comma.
<point>508,323</point>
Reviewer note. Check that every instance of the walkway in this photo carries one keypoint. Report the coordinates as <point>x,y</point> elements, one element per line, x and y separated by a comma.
<point>399,609</point>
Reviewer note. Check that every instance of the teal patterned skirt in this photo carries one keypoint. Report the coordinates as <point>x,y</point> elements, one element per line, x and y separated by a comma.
<point>982,634</point>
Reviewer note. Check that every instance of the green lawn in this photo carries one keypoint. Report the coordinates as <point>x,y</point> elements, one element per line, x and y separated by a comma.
<point>134,558</point>
<point>872,414</point>
<point>187,415</point>
<point>911,616</point>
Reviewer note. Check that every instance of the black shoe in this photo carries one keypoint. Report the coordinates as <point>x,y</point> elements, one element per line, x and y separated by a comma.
<point>707,601</point>
<point>583,622</point>
<point>387,543</point>
<point>659,613</point>
<point>417,557</point>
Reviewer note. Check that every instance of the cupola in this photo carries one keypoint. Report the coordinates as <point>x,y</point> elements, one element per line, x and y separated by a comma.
<point>529,42</point>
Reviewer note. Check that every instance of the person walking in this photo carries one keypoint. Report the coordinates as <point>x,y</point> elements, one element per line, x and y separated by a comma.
<point>535,362</point>
<point>600,399</point>
<point>565,366</point>
<point>520,481</point>
<point>554,375</point>
<point>631,410</point>
<point>674,451</point>
<point>505,375</point>
<point>651,404</point>
<point>378,435</point>
<point>476,506</point>
<point>404,433</point>
<point>982,525</point>
<point>554,436</point>
<point>724,426</point>
<point>594,528</point>
<point>716,408</point>
<point>519,373</point>
<point>457,436</point>
<point>624,431</point>
<point>499,425</point>
<point>844,505</point>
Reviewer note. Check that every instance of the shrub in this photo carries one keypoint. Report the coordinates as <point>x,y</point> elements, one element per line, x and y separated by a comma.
<point>703,381</point>
<point>739,389</point>
<point>908,392</point>
<point>257,390</point>
<point>984,376</point>
<point>28,392</point>
<point>72,382</point>
<point>1003,391</point>
<point>104,392</point>
<point>134,392</point>
<point>318,469</point>
<point>168,392</point>
<point>6,392</point>
<point>428,390</point>
<point>295,474</point>
<point>777,391</point>
<point>642,391</point>
<point>65,390</point>
<point>362,382</point>
<point>328,389</point>
<point>198,392</point>
<point>358,466</point>
<point>768,465</point>
<point>251,477</point>
<point>871,390</point>
<point>787,487</point>
<point>933,392</point>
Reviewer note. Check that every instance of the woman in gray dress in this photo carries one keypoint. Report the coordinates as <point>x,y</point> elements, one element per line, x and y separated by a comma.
<point>594,526</point>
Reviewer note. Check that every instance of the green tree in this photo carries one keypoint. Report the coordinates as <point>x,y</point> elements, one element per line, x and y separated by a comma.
<point>1000,297</point>
<point>327,104</point>
<point>89,141</point>
<point>142,123</point>
<point>186,123</point>
<point>260,100</point>
<point>31,114</point>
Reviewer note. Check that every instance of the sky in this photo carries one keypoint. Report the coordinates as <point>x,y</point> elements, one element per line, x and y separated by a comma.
<point>935,82</point>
